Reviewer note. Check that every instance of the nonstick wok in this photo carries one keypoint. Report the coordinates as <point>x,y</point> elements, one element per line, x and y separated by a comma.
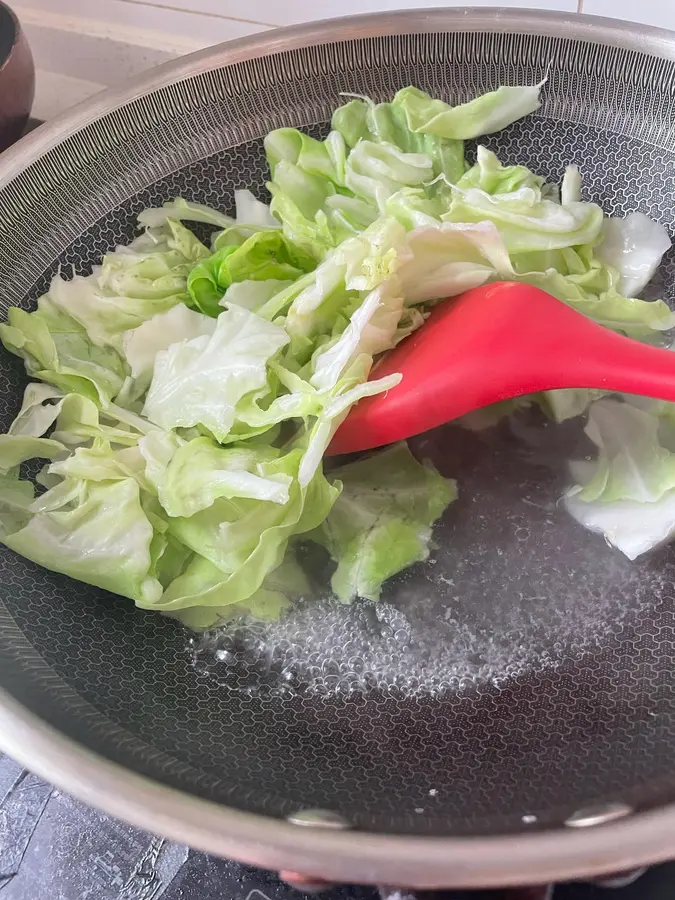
<point>507,715</point>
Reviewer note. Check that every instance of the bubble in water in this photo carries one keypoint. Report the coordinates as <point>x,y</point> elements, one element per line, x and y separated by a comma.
<point>514,588</point>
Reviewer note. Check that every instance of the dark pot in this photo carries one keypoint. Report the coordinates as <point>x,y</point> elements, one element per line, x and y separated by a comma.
<point>17,78</point>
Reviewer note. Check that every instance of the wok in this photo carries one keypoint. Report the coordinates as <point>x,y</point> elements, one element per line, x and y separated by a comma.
<point>507,714</point>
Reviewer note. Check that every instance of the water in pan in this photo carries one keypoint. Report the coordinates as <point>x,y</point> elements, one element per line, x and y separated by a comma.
<point>514,586</point>
<point>508,569</point>
<point>596,706</point>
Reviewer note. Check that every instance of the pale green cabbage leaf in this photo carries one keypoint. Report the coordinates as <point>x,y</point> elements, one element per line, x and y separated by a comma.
<point>381,522</point>
<point>200,381</point>
<point>627,493</point>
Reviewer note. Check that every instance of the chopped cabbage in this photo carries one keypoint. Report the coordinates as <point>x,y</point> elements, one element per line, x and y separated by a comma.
<point>186,391</point>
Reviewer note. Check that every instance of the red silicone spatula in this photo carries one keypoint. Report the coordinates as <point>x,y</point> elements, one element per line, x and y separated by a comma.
<point>495,342</point>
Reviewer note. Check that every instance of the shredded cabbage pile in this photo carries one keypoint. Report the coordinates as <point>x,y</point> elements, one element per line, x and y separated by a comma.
<point>185,393</point>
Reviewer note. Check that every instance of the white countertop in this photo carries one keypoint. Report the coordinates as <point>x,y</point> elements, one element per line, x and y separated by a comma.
<point>83,46</point>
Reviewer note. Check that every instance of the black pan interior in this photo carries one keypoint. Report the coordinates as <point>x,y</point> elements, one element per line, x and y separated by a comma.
<point>585,712</point>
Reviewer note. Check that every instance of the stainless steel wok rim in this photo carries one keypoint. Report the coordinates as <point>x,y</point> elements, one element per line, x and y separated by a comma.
<point>557,855</point>
<point>593,29</point>
<point>343,857</point>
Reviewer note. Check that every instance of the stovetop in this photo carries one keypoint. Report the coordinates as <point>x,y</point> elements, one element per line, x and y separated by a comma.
<point>55,848</point>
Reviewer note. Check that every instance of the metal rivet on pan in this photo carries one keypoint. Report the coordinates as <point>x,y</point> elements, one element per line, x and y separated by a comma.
<point>598,815</point>
<point>318,818</point>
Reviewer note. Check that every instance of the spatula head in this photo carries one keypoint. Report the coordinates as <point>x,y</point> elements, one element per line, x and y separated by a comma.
<point>456,362</point>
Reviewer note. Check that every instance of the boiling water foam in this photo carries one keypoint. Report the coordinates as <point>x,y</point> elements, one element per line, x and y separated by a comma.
<point>512,586</point>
